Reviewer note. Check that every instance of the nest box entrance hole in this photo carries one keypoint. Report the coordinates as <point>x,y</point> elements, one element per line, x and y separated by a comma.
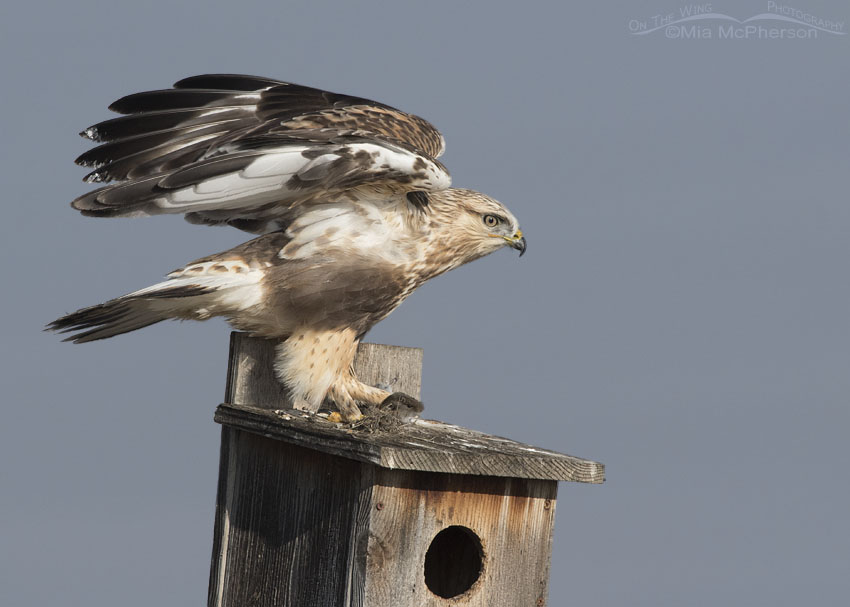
<point>453,562</point>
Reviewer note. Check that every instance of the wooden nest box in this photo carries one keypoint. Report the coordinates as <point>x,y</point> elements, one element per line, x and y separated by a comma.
<point>314,514</point>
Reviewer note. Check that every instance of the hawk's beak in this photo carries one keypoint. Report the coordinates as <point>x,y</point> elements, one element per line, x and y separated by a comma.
<point>517,242</point>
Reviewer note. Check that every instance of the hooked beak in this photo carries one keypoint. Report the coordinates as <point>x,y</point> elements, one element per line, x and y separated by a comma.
<point>517,242</point>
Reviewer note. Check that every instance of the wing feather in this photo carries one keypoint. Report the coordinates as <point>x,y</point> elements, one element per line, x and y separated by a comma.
<point>151,122</point>
<point>175,99</point>
<point>117,160</point>
<point>234,143</point>
<point>263,184</point>
<point>228,82</point>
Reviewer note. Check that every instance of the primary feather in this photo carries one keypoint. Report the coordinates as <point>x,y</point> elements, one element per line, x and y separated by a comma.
<point>271,145</point>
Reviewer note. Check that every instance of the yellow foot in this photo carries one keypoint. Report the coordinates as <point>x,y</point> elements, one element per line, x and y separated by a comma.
<point>337,418</point>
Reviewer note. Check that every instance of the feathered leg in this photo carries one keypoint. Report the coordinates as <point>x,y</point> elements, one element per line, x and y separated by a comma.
<point>315,365</point>
<point>310,362</point>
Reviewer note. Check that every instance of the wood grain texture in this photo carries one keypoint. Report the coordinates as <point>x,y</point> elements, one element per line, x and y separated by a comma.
<point>312,513</point>
<point>512,518</point>
<point>425,446</point>
<point>286,526</point>
<point>397,368</point>
<point>250,374</point>
<point>253,395</point>
<point>299,528</point>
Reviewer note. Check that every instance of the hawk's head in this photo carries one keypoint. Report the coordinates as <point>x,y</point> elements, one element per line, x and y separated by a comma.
<point>475,224</point>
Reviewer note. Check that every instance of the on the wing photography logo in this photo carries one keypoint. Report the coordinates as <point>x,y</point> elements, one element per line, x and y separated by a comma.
<point>704,22</point>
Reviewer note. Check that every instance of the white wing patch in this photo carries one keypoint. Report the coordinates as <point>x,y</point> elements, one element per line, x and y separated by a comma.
<point>356,227</point>
<point>285,175</point>
<point>426,173</point>
<point>261,182</point>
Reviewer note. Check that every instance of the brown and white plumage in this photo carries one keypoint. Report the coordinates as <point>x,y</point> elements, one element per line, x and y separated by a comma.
<point>250,151</point>
<point>361,211</point>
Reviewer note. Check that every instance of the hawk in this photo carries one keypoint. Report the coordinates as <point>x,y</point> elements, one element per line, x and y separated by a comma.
<point>353,209</point>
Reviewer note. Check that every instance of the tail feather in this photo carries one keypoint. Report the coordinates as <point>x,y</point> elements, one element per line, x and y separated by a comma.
<point>225,284</point>
<point>124,314</point>
<point>105,320</point>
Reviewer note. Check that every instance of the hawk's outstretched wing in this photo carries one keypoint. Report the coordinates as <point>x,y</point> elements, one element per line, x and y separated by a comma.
<point>248,151</point>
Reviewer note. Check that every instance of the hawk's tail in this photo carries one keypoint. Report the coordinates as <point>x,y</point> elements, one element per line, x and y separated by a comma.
<point>128,313</point>
<point>225,284</point>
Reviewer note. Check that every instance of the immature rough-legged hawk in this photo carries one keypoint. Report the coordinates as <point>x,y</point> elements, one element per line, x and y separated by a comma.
<point>354,210</point>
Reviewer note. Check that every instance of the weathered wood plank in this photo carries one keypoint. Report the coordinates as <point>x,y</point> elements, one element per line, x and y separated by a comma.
<point>286,525</point>
<point>396,368</point>
<point>511,518</point>
<point>319,514</point>
<point>250,374</point>
<point>253,395</point>
<point>221,527</point>
<point>356,582</point>
<point>425,445</point>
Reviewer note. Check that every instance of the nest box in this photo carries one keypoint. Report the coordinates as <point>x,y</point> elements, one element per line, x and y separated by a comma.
<point>314,514</point>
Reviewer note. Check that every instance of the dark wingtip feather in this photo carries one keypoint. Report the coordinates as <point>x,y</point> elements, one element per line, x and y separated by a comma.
<point>99,212</point>
<point>89,206</point>
<point>230,82</point>
<point>97,176</point>
<point>90,133</point>
<point>87,201</point>
<point>176,99</point>
<point>132,125</point>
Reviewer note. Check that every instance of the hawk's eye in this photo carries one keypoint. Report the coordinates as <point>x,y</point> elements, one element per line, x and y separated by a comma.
<point>491,221</point>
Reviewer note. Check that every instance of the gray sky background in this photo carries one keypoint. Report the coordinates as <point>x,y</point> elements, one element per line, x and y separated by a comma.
<point>681,314</point>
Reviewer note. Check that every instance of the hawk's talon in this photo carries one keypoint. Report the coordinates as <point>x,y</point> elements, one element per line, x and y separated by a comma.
<point>347,417</point>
